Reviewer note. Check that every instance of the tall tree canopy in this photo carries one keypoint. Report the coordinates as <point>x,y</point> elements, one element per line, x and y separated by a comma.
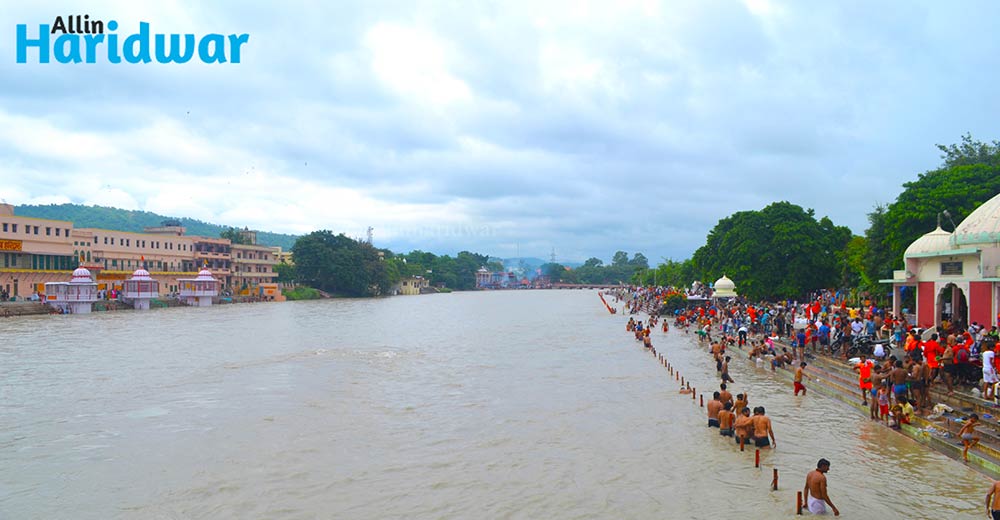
<point>969,177</point>
<point>780,251</point>
<point>340,264</point>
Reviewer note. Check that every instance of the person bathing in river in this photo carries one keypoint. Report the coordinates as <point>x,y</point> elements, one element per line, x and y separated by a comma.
<point>726,419</point>
<point>762,429</point>
<point>724,394</point>
<point>798,379</point>
<point>725,371</point>
<point>815,490</point>
<point>743,426</point>
<point>713,407</point>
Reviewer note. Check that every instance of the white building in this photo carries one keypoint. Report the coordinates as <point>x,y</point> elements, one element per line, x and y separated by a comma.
<point>76,296</point>
<point>140,289</point>
<point>199,292</point>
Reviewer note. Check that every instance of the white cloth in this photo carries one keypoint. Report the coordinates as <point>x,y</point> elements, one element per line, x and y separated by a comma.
<point>817,506</point>
<point>989,372</point>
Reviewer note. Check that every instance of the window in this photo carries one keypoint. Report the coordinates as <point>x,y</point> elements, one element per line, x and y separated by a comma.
<point>36,229</point>
<point>13,228</point>
<point>48,231</point>
<point>67,231</point>
<point>57,231</point>
<point>5,226</point>
<point>951,268</point>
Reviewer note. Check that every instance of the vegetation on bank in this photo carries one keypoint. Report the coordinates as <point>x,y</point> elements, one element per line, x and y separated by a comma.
<point>782,251</point>
<point>620,270</point>
<point>302,292</point>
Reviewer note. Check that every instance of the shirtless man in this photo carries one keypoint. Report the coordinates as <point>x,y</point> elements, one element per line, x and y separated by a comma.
<point>713,408</point>
<point>743,425</point>
<point>726,420</point>
<point>762,429</point>
<point>993,501</point>
<point>798,379</point>
<point>741,403</point>
<point>725,371</point>
<point>968,435</point>
<point>815,490</point>
<point>724,395</point>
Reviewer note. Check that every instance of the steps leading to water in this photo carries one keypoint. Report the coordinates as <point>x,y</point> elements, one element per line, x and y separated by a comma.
<point>838,380</point>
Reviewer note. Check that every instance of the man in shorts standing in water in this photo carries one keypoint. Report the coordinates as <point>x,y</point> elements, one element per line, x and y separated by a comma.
<point>815,490</point>
<point>762,429</point>
<point>798,379</point>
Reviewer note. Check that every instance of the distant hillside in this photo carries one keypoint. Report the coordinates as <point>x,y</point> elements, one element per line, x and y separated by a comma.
<point>126,220</point>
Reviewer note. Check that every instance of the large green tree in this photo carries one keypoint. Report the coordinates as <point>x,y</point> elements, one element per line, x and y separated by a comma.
<point>969,177</point>
<point>340,264</point>
<point>780,251</point>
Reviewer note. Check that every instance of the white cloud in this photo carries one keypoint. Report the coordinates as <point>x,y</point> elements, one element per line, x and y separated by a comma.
<point>479,126</point>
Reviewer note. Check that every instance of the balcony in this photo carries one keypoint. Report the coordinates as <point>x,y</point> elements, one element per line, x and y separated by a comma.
<point>211,254</point>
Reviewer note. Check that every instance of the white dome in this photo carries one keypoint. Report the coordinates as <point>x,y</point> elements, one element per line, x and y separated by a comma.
<point>724,288</point>
<point>81,275</point>
<point>933,242</point>
<point>205,274</point>
<point>140,274</point>
<point>982,226</point>
<point>724,283</point>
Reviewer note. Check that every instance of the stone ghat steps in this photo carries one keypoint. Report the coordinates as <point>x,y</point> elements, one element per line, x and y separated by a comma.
<point>989,431</point>
<point>834,382</point>
<point>962,402</point>
<point>840,381</point>
<point>8,309</point>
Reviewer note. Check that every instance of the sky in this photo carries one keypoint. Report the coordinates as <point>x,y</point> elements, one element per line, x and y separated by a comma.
<point>505,128</point>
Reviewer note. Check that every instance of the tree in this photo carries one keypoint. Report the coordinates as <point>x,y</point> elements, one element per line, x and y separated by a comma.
<point>959,189</point>
<point>970,152</point>
<point>340,264</point>
<point>780,251</point>
<point>286,273</point>
<point>235,236</point>
<point>639,261</point>
<point>554,271</point>
<point>620,259</point>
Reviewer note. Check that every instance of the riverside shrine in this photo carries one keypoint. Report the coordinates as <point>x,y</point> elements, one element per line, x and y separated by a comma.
<point>952,278</point>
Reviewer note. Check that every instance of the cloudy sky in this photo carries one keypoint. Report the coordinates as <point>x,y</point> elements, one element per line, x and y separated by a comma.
<point>504,127</point>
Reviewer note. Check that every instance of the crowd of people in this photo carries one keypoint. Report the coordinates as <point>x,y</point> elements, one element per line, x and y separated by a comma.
<point>894,377</point>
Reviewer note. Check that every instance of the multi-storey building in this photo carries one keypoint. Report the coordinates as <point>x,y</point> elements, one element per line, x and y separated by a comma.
<point>35,251</point>
<point>253,264</point>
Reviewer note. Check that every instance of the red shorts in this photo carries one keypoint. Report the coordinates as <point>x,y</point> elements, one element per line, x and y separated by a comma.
<point>799,387</point>
<point>865,385</point>
<point>883,409</point>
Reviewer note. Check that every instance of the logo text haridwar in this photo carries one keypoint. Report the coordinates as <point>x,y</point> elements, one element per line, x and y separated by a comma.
<point>81,40</point>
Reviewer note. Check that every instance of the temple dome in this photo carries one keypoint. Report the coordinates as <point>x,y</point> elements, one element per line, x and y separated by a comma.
<point>205,274</point>
<point>933,242</point>
<point>724,288</point>
<point>140,274</point>
<point>81,275</point>
<point>982,226</point>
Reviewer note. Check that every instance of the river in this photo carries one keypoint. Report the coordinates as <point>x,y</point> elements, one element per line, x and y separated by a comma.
<point>529,404</point>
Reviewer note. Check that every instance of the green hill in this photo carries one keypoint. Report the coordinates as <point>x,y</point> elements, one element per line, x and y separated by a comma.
<point>127,220</point>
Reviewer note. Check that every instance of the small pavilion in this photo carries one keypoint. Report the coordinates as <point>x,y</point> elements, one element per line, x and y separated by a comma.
<point>199,291</point>
<point>76,296</point>
<point>140,290</point>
